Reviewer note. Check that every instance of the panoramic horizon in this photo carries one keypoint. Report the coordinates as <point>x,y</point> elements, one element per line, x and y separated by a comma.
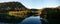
<point>36,4</point>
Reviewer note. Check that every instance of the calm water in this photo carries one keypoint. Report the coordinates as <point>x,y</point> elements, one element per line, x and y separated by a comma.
<point>32,20</point>
<point>29,20</point>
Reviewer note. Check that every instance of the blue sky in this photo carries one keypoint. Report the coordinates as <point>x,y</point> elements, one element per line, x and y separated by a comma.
<point>37,4</point>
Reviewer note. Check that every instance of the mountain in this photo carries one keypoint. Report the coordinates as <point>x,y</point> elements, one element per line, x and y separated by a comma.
<point>15,12</point>
<point>8,7</point>
<point>12,5</point>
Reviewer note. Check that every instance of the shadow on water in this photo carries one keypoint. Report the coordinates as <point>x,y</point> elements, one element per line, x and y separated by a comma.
<point>5,18</point>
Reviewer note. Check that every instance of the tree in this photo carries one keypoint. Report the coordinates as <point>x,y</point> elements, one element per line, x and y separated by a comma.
<point>52,15</point>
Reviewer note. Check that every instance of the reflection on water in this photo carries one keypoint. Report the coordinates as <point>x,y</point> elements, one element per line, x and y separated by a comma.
<point>29,20</point>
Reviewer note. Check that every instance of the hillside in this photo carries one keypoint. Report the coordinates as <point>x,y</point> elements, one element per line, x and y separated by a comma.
<point>7,7</point>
